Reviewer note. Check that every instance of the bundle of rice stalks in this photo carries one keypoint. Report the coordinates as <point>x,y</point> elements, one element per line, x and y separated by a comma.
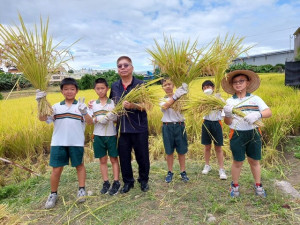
<point>203,105</point>
<point>225,51</point>
<point>141,95</point>
<point>34,54</point>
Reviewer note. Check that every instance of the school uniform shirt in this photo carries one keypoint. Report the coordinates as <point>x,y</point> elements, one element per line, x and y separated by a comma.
<point>100,111</point>
<point>170,115</point>
<point>69,125</point>
<point>214,115</point>
<point>250,103</point>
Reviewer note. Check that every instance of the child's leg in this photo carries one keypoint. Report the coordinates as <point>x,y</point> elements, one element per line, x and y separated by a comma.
<point>55,177</point>
<point>255,169</point>
<point>236,171</point>
<point>115,166</point>
<point>181,159</point>
<point>207,153</point>
<point>170,161</point>
<point>220,157</point>
<point>103,167</point>
<point>81,174</point>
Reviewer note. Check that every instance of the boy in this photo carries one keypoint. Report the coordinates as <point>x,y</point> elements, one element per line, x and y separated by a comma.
<point>173,129</point>
<point>212,130</point>
<point>68,138</point>
<point>105,140</point>
<point>245,136</point>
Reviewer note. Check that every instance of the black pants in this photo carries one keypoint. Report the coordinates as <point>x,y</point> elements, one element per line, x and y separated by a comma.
<point>139,142</point>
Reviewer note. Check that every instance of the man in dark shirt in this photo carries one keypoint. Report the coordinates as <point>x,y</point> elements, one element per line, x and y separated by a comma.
<point>133,128</point>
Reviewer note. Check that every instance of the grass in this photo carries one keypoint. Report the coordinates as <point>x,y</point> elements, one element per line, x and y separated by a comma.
<point>174,203</point>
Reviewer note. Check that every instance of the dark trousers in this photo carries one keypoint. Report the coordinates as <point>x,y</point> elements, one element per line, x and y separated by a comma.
<point>139,143</point>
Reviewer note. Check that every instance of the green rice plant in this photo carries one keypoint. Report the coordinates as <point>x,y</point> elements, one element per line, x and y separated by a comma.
<point>33,53</point>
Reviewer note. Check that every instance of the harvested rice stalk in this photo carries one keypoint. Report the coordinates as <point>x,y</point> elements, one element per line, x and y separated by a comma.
<point>33,53</point>
<point>141,95</point>
<point>205,104</point>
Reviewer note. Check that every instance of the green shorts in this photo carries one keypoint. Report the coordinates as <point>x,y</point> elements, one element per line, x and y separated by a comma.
<point>60,155</point>
<point>105,144</point>
<point>174,136</point>
<point>248,141</point>
<point>212,131</point>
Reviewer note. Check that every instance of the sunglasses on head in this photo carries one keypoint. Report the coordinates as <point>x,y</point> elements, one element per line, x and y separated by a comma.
<point>125,65</point>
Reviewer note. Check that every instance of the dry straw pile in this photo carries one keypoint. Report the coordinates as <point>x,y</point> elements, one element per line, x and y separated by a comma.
<point>34,54</point>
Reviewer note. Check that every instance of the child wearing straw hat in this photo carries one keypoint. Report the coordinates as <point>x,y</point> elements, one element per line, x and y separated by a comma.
<point>212,131</point>
<point>67,143</point>
<point>173,129</point>
<point>245,136</point>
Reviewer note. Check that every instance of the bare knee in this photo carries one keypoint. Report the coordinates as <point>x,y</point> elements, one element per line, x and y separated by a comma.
<point>103,160</point>
<point>237,164</point>
<point>113,160</point>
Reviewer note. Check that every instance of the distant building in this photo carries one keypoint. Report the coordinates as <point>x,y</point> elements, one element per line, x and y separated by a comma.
<point>273,58</point>
<point>296,41</point>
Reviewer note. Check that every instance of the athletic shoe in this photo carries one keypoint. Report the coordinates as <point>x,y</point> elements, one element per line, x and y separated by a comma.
<point>51,201</point>
<point>81,195</point>
<point>259,190</point>
<point>234,191</point>
<point>105,187</point>
<point>115,188</point>
<point>206,169</point>
<point>222,174</point>
<point>169,177</point>
<point>144,186</point>
<point>184,177</point>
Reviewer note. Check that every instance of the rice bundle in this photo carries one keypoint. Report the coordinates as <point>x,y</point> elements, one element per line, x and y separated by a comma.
<point>140,95</point>
<point>33,53</point>
<point>205,104</point>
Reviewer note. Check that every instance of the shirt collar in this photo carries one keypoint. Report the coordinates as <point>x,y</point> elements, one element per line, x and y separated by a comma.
<point>235,96</point>
<point>107,102</point>
<point>64,102</point>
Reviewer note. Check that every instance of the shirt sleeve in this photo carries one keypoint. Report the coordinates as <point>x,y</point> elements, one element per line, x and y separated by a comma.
<point>261,104</point>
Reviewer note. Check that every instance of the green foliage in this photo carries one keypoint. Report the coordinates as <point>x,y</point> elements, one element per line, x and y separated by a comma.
<point>7,81</point>
<point>86,82</point>
<point>1,96</point>
<point>297,58</point>
<point>268,68</point>
<point>70,71</point>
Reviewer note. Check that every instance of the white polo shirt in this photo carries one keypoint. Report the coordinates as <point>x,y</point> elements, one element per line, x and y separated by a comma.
<point>100,111</point>
<point>170,115</point>
<point>215,115</point>
<point>250,103</point>
<point>69,125</point>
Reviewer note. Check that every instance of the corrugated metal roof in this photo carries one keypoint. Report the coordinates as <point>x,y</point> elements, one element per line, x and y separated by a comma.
<point>266,54</point>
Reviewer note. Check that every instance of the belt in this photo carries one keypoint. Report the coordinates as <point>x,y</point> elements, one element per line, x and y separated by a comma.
<point>169,123</point>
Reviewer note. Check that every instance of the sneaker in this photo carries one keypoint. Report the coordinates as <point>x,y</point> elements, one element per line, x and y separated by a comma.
<point>51,201</point>
<point>259,190</point>
<point>206,169</point>
<point>234,191</point>
<point>169,177</point>
<point>105,187</point>
<point>81,195</point>
<point>184,177</point>
<point>222,174</point>
<point>115,188</point>
<point>144,186</point>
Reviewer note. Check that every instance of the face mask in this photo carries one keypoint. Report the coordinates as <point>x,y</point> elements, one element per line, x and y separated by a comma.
<point>208,91</point>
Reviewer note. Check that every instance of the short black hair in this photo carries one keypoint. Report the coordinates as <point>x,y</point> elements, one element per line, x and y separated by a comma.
<point>68,80</point>
<point>237,75</point>
<point>165,79</point>
<point>208,83</point>
<point>100,81</point>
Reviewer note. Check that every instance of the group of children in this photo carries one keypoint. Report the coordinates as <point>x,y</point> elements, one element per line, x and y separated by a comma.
<point>70,116</point>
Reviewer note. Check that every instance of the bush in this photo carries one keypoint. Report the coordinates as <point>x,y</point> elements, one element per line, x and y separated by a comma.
<point>7,81</point>
<point>1,96</point>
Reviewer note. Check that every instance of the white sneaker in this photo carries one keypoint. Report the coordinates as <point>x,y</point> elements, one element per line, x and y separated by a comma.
<point>81,195</point>
<point>222,174</point>
<point>51,201</point>
<point>206,169</point>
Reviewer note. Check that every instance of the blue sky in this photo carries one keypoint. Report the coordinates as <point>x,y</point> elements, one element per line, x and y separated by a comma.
<point>109,29</point>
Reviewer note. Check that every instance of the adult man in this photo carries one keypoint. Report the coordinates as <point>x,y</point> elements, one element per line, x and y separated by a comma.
<point>133,128</point>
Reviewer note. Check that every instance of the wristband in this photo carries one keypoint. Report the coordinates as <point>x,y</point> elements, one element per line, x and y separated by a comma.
<point>260,114</point>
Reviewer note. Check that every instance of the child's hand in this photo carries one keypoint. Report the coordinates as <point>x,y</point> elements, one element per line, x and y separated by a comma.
<point>180,92</point>
<point>228,110</point>
<point>82,106</point>
<point>90,104</point>
<point>39,95</point>
<point>101,119</point>
<point>252,117</point>
<point>111,116</point>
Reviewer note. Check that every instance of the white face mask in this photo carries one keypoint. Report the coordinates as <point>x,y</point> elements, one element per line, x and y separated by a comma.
<point>208,91</point>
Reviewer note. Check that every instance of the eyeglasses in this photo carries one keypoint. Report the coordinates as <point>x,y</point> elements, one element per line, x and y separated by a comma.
<point>238,82</point>
<point>125,65</point>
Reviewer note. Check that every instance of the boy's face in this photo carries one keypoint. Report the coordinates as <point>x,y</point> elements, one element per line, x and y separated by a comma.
<point>240,83</point>
<point>101,90</point>
<point>69,91</point>
<point>207,89</point>
<point>168,86</point>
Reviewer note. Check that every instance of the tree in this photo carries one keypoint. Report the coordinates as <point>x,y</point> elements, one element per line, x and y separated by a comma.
<point>70,71</point>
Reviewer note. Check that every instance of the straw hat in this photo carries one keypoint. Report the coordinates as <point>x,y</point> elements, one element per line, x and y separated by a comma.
<point>253,79</point>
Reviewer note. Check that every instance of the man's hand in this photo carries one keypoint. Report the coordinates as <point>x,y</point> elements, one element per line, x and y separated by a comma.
<point>182,90</point>
<point>228,110</point>
<point>39,95</point>
<point>127,105</point>
<point>82,106</point>
<point>252,117</point>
